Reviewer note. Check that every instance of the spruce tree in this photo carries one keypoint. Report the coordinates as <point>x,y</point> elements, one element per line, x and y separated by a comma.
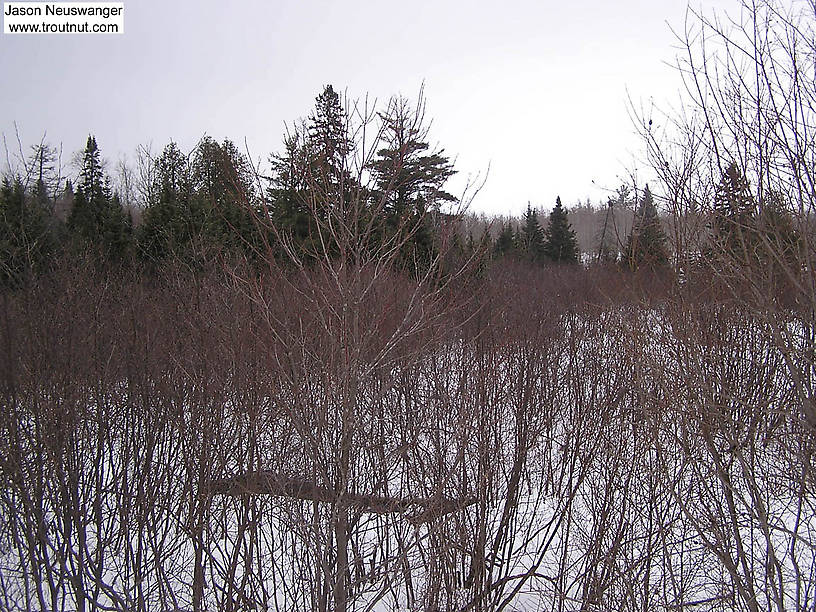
<point>97,217</point>
<point>734,216</point>
<point>26,241</point>
<point>328,142</point>
<point>92,197</point>
<point>532,238</point>
<point>310,180</point>
<point>646,245</point>
<point>505,241</point>
<point>223,194</point>
<point>220,173</point>
<point>117,228</point>
<point>560,245</point>
<point>169,223</point>
<point>486,241</point>
<point>173,172</point>
<point>779,240</point>
<point>779,244</point>
<point>287,196</point>
<point>749,232</point>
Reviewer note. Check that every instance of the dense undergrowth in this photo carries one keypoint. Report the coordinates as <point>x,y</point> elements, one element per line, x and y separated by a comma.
<point>602,441</point>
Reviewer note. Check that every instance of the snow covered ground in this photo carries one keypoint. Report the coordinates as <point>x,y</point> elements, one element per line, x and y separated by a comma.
<point>634,460</point>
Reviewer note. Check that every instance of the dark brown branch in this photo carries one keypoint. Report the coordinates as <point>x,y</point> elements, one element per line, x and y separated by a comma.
<point>421,510</point>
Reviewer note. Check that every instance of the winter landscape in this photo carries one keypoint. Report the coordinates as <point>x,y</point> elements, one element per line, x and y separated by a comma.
<point>326,378</point>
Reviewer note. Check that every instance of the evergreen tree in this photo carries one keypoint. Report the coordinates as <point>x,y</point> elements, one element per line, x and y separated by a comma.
<point>409,179</point>
<point>505,241</point>
<point>329,145</point>
<point>173,173</point>
<point>560,245</point>
<point>779,244</point>
<point>26,241</point>
<point>97,217</point>
<point>288,193</point>
<point>171,221</point>
<point>64,204</point>
<point>223,193</point>
<point>748,232</point>
<point>117,228</point>
<point>310,179</point>
<point>532,238</point>
<point>486,242</point>
<point>92,197</point>
<point>408,176</point>
<point>779,238</point>
<point>646,245</point>
<point>734,215</point>
<point>221,174</point>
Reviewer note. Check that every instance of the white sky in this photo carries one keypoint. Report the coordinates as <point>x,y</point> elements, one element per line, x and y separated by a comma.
<point>537,90</point>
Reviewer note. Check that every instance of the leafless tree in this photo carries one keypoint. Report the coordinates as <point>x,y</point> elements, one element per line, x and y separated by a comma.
<point>750,104</point>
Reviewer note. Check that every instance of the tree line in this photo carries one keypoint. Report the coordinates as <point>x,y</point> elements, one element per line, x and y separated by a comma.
<point>215,203</point>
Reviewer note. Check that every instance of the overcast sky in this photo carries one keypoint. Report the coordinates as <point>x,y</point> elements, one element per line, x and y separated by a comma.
<point>536,90</point>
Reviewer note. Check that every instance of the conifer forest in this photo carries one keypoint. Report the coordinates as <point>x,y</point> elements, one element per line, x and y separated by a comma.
<point>322,383</point>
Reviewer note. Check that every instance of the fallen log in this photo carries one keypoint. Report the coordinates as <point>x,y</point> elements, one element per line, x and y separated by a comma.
<point>420,510</point>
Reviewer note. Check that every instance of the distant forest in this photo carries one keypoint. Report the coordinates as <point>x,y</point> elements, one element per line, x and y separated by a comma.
<point>213,203</point>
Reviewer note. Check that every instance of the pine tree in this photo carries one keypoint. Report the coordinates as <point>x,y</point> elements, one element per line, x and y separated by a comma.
<point>646,245</point>
<point>532,238</point>
<point>408,176</point>
<point>409,179</point>
<point>560,245</point>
